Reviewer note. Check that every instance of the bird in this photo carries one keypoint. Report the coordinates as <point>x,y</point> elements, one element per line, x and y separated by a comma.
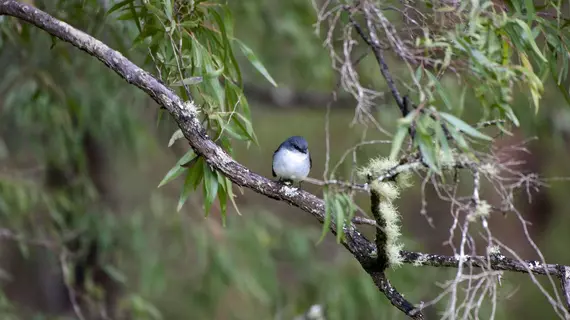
<point>292,160</point>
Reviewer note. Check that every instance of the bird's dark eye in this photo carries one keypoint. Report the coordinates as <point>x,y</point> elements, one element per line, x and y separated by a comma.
<point>298,148</point>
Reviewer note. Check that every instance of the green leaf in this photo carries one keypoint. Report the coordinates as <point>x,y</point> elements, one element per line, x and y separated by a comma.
<point>155,10</point>
<point>398,140</point>
<point>529,38</point>
<point>133,11</point>
<point>530,11</point>
<point>118,6</point>
<point>168,9</point>
<point>210,187</point>
<point>463,126</point>
<point>339,212</point>
<point>188,81</point>
<point>427,150</point>
<point>255,62</point>
<point>554,72</point>
<point>222,194</point>
<point>418,74</point>
<point>440,90</point>
<point>328,216</point>
<point>461,105</point>
<point>459,139</point>
<point>447,156</point>
<point>231,194</point>
<point>193,178</point>
<point>177,169</point>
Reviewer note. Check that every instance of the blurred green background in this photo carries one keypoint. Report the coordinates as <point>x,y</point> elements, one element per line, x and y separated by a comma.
<point>81,150</point>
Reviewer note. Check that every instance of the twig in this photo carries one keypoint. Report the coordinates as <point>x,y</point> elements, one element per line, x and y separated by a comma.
<point>565,284</point>
<point>395,298</point>
<point>496,262</point>
<point>10,235</point>
<point>362,220</point>
<point>69,285</point>
<point>379,54</point>
<point>342,184</point>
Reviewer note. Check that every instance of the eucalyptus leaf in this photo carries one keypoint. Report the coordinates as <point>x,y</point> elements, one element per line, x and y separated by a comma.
<point>464,126</point>
<point>177,169</point>
<point>255,62</point>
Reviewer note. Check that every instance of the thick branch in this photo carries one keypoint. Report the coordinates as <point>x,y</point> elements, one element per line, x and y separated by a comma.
<point>185,114</point>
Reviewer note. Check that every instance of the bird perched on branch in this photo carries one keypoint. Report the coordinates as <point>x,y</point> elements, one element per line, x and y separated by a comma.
<point>292,160</point>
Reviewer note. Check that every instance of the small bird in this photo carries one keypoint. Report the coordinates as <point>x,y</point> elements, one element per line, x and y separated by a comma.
<point>292,160</point>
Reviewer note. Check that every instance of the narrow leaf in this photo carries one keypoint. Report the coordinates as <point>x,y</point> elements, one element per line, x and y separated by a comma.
<point>177,169</point>
<point>328,217</point>
<point>464,126</point>
<point>210,187</point>
<point>398,140</point>
<point>339,212</point>
<point>255,62</point>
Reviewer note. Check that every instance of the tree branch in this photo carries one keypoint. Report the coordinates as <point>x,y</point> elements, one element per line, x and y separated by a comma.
<point>379,55</point>
<point>565,282</point>
<point>185,114</point>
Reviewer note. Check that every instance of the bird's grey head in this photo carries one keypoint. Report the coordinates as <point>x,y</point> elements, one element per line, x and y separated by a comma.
<point>296,143</point>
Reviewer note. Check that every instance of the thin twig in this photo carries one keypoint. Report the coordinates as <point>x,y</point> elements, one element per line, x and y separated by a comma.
<point>63,260</point>
<point>565,284</point>
<point>379,54</point>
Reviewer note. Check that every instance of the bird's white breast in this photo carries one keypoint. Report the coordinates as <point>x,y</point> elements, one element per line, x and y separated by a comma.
<point>291,164</point>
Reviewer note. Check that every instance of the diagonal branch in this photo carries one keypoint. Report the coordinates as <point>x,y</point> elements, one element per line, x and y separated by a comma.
<point>565,283</point>
<point>185,115</point>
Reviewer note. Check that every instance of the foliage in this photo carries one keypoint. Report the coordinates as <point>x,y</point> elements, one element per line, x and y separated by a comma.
<point>493,52</point>
<point>192,45</point>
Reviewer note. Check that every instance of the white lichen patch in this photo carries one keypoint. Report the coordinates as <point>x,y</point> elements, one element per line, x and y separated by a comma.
<point>494,250</point>
<point>288,190</point>
<point>420,261</point>
<point>190,106</point>
<point>489,169</point>
<point>482,210</point>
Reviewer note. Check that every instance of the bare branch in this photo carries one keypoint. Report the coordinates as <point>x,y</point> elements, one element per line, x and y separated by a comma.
<point>379,54</point>
<point>565,281</point>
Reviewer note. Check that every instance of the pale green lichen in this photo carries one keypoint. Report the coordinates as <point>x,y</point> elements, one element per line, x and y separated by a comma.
<point>404,179</point>
<point>377,167</point>
<point>482,210</point>
<point>393,253</point>
<point>489,169</point>
<point>388,190</point>
<point>494,250</point>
